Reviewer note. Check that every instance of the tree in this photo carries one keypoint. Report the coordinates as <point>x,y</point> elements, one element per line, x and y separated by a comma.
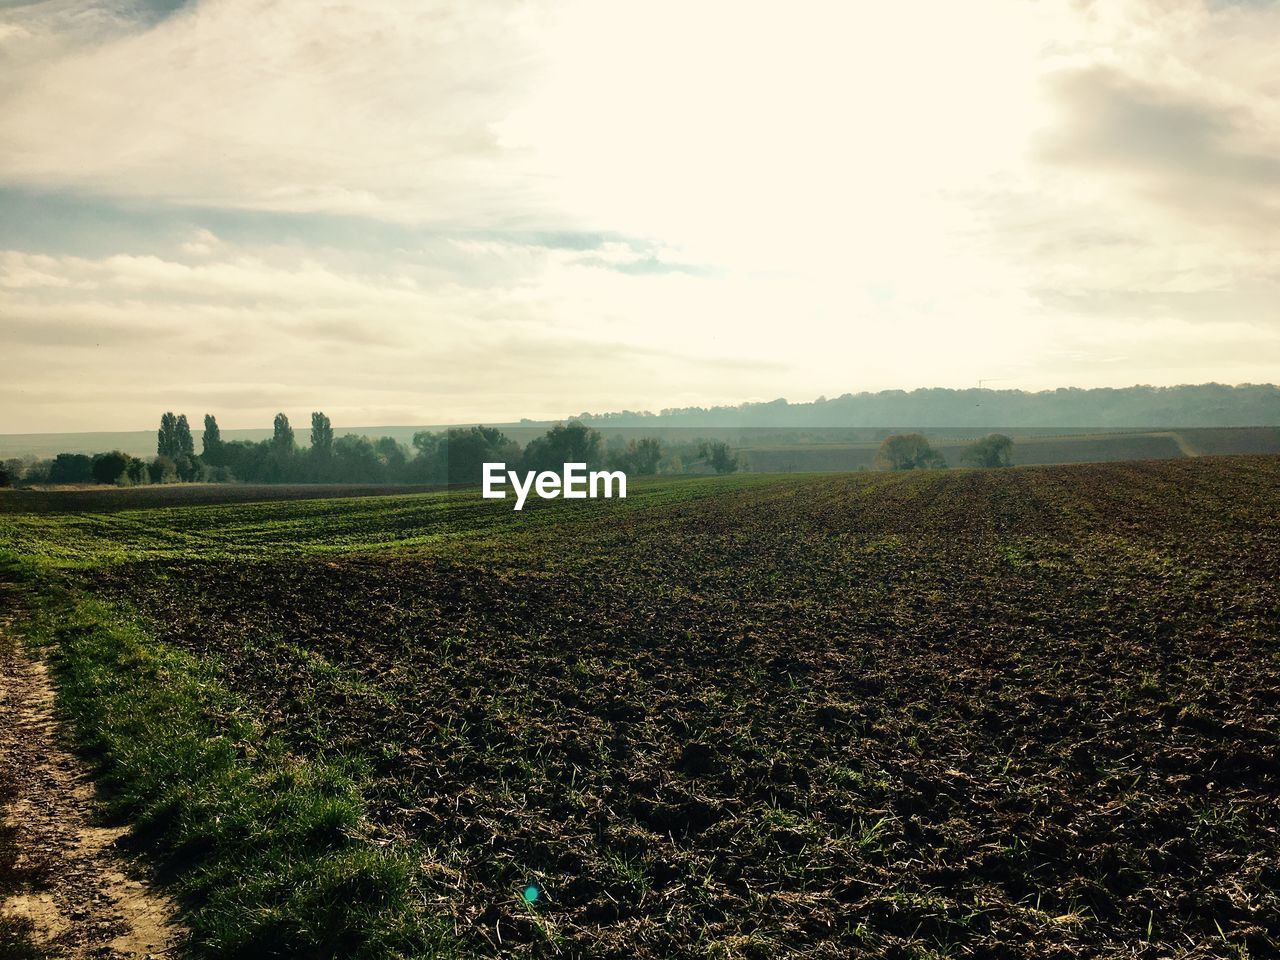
<point>429,455</point>
<point>167,437</point>
<point>111,467</point>
<point>357,460</point>
<point>993,450</point>
<point>247,459</point>
<point>37,472</point>
<point>6,478</point>
<point>211,442</point>
<point>467,449</point>
<point>321,434</point>
<point>15,469</point>
<point>645,454</point>
<point>573,442</point>
<point>458,455</point>
<point>162,470</point>
<point>393,457</point>
<point>718,456</point>
<point>639,457</point>
<point>71,468</point>
<point>137,471</point>
<point>182,433</point>
<point>282,438</point>
<point>909,451</point>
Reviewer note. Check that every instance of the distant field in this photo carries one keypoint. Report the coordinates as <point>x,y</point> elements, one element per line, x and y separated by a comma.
<point>1021,713</point>
<point>1028,448</point>
<point>1236,440</point>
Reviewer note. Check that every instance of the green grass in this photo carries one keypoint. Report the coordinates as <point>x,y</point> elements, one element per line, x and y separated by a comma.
<point>271,853</point>
<point>340,525</point>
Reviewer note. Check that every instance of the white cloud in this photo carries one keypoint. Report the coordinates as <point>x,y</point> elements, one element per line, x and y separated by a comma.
<point>794,199</point>
<point>355,108</point>
<point>565,330</point>
<point>13,32</point>
<point>202,243</point>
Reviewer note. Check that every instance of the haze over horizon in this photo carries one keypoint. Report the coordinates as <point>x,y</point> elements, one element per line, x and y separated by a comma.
<point>1135,406</point>
<point>446,212</point>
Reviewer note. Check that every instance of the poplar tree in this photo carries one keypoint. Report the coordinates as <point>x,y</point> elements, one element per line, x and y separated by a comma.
<point>321,434</point>
<point>212,439</point>
<point>182,435</point>
<point>282,439</point>
<point>167,437</point>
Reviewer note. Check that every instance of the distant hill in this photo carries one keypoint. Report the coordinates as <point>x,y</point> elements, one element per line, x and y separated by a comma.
<point>855,418</point>
<point>1200,405</point>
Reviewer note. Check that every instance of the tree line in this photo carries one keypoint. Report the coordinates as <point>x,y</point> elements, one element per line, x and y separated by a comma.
<point>451,456</point>
<point>1146,407</point>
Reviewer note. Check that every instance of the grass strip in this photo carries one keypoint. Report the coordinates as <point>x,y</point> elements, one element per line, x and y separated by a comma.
<point>270,854</point>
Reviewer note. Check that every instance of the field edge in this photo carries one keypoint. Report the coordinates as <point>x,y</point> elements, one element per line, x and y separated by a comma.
<point>268,853</point>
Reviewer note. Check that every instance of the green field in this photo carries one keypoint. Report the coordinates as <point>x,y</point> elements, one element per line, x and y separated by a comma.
<point>1017,713</point>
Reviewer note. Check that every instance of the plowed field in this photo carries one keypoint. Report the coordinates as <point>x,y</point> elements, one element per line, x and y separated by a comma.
<point>1020,713</point>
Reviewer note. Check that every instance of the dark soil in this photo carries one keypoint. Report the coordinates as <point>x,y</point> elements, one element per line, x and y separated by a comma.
<point>1027,713</point>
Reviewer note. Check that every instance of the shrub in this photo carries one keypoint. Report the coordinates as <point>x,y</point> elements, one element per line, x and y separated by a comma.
<point>137,471</point>
<point>993,450</point>
<point>718,455</point>
<point>909,451</point>
<point>163,470</point>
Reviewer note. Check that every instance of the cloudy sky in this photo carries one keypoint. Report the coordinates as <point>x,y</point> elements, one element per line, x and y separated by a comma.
<point>419,212</point>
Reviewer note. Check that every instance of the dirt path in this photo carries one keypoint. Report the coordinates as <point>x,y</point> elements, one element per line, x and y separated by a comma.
<point>67,883</point>
<point>1184,445</point>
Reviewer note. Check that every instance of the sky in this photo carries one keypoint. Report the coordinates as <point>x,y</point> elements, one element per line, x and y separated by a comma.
<point>429,212</point>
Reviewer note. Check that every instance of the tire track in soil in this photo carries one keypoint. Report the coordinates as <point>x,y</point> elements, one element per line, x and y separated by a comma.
<point>79,897</point>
